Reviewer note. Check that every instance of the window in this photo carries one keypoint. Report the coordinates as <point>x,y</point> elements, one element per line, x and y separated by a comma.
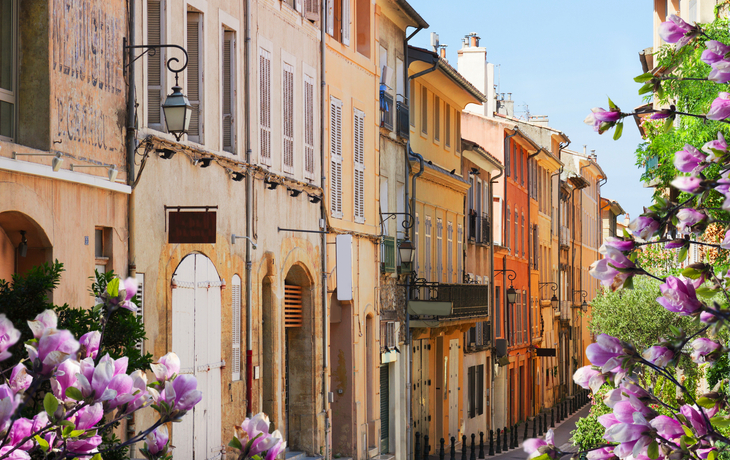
<point>427,249</point>
<point>155,65</point>
<point>229,92</point>
<point>472,387</point>
<point>308,127</point>
<point>424,110</point>
<point>415,243</point>
<point>359,157</point>
<point>439,249</point>
<point>338,20</point>
<point>447,125</point>
<point>140,306</point>
<point>362,26</point>
<point>507,230</point>
<point>515,159</point>
<point>449,251</point>
<point>480,390</point>
<point>195,75</point>
<point>265,105</point>
<point>436,117</point>
<point>497,312</point>
<point>522,166</point>
<point>411,113</point>
<point>236,327</point>
<point>287,107</point>
<point>459,253</point>
<point>336,157</point>
<point>517,237</point>
<point>523,235</point>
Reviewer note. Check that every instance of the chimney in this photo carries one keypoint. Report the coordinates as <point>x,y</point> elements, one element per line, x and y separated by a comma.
<point>627,219</point>
<point>473,65</point>
<point>442,52</point>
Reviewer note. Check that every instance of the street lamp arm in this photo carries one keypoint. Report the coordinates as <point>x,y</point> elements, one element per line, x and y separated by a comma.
<point>152,50</point>
<point>553,285</point>
<point>511,274</point>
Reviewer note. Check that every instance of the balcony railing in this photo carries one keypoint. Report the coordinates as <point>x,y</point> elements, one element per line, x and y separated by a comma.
<point>486,233</point>
<point>386,110</point>
<point>388,255</point>
<point>479,228</point>
<point>468,300</point>
<point>402,120</point>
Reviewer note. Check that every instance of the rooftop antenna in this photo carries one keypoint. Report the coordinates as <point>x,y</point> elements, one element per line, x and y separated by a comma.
<point>435,42</point>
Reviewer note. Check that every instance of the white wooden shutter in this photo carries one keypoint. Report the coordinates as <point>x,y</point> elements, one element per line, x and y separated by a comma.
<point>140,307</point>
<point>415,243</point>
<point>439,250</point>
<point>336,157</point>
<point>346,22</point>
<point>427,249</point>
<point>450,251</point>
<point>265,105</point>
<point>287,105</point>
<point>331,17</point>
<point>459,252</point>
<point>229,92</point>
<point>311,10</point>
<point>195,74</point>
<point>359,157</point>
<point>309,126</point>
<point>236,327</point>
<point>154,65</point>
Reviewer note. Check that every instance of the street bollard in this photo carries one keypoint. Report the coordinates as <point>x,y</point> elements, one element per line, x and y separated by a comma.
<point>539,425</point>
<point>525,436</point>
<point>481,444</point>
<point>491,443</point>
<point>417,446</point>
<point>499,443</point>
<point>426,447</point>
<point>442,453</point>
<point>473,447</point>
<point>544,422</point>
<point>552,418</point>
<point>514,437</point>
<point>505,445</point>
<point>512,432</point>
<point>534,425</point>
<point>453,448</point>
<point>463,447</point>
<point>516,440</point>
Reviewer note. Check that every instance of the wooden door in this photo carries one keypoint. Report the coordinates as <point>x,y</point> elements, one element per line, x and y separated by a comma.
<point>454,388</point>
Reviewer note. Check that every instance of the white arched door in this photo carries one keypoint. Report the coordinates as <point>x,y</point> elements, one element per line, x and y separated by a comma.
<point>196,338</point>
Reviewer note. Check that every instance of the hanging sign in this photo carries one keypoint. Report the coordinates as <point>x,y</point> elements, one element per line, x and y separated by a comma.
<point>191,227</point>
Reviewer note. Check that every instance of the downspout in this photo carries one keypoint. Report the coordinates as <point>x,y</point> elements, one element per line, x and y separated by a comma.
<point>249,209</point>
<point>530,252</point>
<point>560,299</point>
<point>323,213</point>
<point>492,181</point>
<point>131,140</point>
<point>580,276</point>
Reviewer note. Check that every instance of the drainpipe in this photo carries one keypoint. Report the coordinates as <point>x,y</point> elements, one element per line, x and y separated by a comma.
<point>530,251</point>
<point>249,210</point>
<point>492,181</point>
<point>323,213</point>
<point>580,275</point>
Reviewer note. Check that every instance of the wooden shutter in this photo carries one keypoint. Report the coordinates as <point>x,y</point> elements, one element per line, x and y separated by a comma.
<point>450,251</point>
<point>437,117</point>
<point>459,253</point>
<point>195,72</point>
<point>154,65</point>
<point>346,22</point>
<point>336,158</point>
<point>311,10</point>
<point>480,390</point>
<point>265,105</point>
<point>458,131</point>
<point>427,249</point>
<point>140,306</point>
<point>331,17</point>
<point>415,243</point>
<point>236,327</point>
<point>447,125</point>
<point>287,105</point>
<point>359,159</point>
<point>308,127</point>
<point>439,250</point>
<point>229,92</point>
<point>471,372</point>
<point>293,316</point>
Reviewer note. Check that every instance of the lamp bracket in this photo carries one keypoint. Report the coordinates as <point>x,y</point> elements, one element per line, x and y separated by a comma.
<point>407,223</point>
<point>511,274</point>
<point>553,285</point>
<point>152,50</point>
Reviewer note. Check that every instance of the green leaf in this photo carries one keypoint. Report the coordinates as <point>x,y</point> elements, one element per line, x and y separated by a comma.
<point>668,124</point>
<point>682,256</point>
<point>719,421</point>
<point>612,106</point>
<point>629,283</point>
<point>646,88</point>
<point>96,457</point>
<point>235,443</point>
<point>112,288</point>
<point>50,404</point>
<point>675,330</point>
<point>74,393</point>
<point>542,457</point>
<point>690,272</point>
<point>707,403</point>
<point>659,91</point>
<point>706,292</point>
<point>42,443</point>
<point>67,431</point>
<point>712,455</point>
<point>687,431</point>
<point>644,77</point>
<point>653,450</point>
<point>619,129</point>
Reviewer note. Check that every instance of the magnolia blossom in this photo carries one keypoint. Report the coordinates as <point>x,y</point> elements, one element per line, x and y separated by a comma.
<point>667,427</point>
<point>42,322</point>
<point>17,454</point>
<point>602,119</point>
<point>21,429</point>
<point>679,296</point>
<point>156,441</point>
<point>64,378</point>
<point>619,244</point>
<point>19,378</point>
<point>689,159</point>
<point>166,367</point>
<point>605,351</point>
<point>688,218</point>
<point>89,344</point>
<point>695,418</point>
<point>85,419</point>
<point>54,346</point>
<point>658,355</point>
<point>9,336</point>
<point>677,31</point>
<point>644,227</point>
<point>712,148</point>
<point>9,401</point>
<point>536,446</point>
<point>274,452</point>
<point>689,184</point>
<point>607,269</point>
<point>626,410</point>
<point>182,393</point>
<point>604,453</point>
<point>720,107</point>
<point>625,390</point>
<point>704,350</point>
<point>725,244</point>
<point>588,377</point>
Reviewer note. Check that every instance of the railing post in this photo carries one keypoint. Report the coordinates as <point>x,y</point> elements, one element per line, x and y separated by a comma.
<point>442,453</point>
<point>481,444</point>
<point>525,435</point>
<point>534,425</point>
<point>552,417</point>
<point>499,442</point>
<point>544,421</point>
<point>539,424</point>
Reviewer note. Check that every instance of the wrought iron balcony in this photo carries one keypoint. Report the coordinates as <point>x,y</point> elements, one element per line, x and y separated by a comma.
<point>403,120</point>
<point>386,110</point>
<point>467,300</point>
<point>486,227</point>
<point>479,228</point>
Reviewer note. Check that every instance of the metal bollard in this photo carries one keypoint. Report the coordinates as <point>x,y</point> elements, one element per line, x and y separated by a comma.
<point>539,425</point>
<point>417,447</point>
<point>515,437</point>
<point>552,418</point>
<point>534,425</point>
<point>481,444</point>
<point>525,436</point>
<point>544,421</point>
<point>491,443</point>
<point>453,448</point>
<point>442,453</point>
<point>473,447</point>
<point>505,446</point>
<point>463,447</point>
<point>499,443</point>
<point>426,447</point>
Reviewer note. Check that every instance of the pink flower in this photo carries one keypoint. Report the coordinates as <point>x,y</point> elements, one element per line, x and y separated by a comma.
<point>98,386</point>
<point>602,119</point>
<point>689,159</point>
<point>695,419</point>
<point>9,336</point>
<point>726,240</point>
<point>42,322</point>
<point>156,441</point>
<point>54,347</point>
<point>720,107</point>
<point>65,377</point>
<point>625,410</point>
<point>688,184</point>
<point>620,244</point>
<point>688,218</point>
<point>17,454</point>
<point>89,344</point>
<point>604,453</point>
<point>608,269</point>
<point>587,377</point>
<point>679,296</point>
<point>277,449</point>
<point>9,402</point>
<point>704,350</point>
<point>182,393</point>
<point>644,227</point>
<point>19,379</point>
<point>676,31</point>
<point>20,430</point>
<point>605,351</point>
<point>714,147</point>
<point>658,355</point>
<point>536,446</point>
<point>667,427</point>
<point>166,367</point>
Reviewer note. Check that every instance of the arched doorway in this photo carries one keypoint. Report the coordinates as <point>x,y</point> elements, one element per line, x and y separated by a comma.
<point>23,244</point>
<point>299,349</point>
<point>196,338</point>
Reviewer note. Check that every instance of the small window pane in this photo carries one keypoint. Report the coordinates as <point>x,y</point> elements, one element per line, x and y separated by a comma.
<point>6,119</point>
<point>6,44</point>
<point>99,242</point>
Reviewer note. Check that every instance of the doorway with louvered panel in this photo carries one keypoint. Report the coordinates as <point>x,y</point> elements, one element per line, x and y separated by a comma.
<point>293,319</point>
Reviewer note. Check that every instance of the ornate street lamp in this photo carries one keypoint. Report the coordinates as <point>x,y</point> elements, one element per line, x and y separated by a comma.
<point>584,305</point>
<point>554,300</point>
<point>406,250</point>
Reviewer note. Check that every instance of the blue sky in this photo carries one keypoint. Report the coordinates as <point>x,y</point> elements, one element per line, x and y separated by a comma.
<point>561,58</point>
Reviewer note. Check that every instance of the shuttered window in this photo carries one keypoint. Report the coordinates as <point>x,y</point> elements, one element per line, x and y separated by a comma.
<point>311,10</point>
<point>439,250</point>
<point>140,306</point>
<point>480,389</point>
<point>471,390</point>
<point>424,110</point>
<point>346,22</point>
<point>359,158</point>
<point>265,105</point>
<point>459,254</point>
<point>293,316</point>
<point>195,75</point>
<point>447,125</point>
<point>308,127</point>
<point>415,243</point>
<point>458,131</point>
<point>517,234</point>
<point>236,327</point>
<point>508,229</point>
<point>437,117</point>
<point>287,106</point>
<point>331,17</point>
<point>336,157</point>
<point>450,251</point>
<point>427,249</point>
<point>229,92</point>
<point>507,169</point>
<point>155,65</point>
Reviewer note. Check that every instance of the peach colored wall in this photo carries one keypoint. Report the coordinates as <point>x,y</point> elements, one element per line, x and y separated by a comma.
<point>7,257</point>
